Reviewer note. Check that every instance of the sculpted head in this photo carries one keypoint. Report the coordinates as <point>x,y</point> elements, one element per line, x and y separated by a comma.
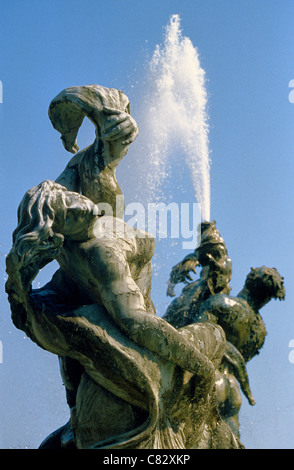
<point>46,214</point>
<point>265,283</point>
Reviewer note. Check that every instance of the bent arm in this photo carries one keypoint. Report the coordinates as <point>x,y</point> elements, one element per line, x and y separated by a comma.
<point>180,272</point>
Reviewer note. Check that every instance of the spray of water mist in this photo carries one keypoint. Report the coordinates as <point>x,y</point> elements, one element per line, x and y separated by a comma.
<point>176,114</point>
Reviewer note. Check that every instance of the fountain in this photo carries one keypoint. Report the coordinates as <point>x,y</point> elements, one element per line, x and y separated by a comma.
<point>172,380</point>
<point>117,357</point>
<point>176,116</point>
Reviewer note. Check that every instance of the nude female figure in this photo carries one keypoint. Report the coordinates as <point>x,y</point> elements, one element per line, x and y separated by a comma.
<point>105,258</point>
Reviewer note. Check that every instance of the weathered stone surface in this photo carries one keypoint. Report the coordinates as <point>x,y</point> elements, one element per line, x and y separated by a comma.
<point>117,357</point>
<point>207,300</point>
<point>160,378</point>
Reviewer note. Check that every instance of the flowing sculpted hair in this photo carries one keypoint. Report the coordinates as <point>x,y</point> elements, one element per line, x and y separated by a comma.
<point>37,239</point>
<point>34,235</point>
<point>34,239</point>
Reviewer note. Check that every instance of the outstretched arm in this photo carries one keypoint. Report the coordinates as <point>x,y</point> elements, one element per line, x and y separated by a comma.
<point>180,272</point>
<point>108,269</point>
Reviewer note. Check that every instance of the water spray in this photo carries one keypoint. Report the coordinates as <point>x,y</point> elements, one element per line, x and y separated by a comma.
<point>177,114</point>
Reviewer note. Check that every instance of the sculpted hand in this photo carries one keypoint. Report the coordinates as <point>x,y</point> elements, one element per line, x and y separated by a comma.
<point>119,126</point>
<point>180,272</point>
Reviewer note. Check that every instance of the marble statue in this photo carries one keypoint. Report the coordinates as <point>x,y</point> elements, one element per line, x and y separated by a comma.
<point>132,379</point>
<point>207,300</point>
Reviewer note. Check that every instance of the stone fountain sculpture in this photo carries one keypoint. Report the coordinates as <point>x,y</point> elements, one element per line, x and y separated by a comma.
<point>132,379</point>
<point>207,300</point>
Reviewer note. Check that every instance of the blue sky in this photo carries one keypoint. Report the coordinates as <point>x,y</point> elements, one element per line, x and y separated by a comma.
<point>247,51</point>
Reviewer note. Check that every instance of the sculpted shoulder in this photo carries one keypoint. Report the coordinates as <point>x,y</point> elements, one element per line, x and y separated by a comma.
<point>221,304</point>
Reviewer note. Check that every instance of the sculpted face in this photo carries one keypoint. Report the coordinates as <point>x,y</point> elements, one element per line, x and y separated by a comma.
<point>76,216</point>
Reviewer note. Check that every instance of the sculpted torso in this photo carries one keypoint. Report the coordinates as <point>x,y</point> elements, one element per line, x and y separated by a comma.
<point>243,326</point>
<point>87,173</point>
